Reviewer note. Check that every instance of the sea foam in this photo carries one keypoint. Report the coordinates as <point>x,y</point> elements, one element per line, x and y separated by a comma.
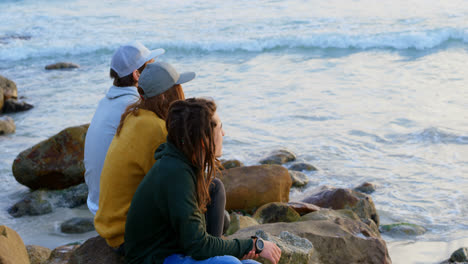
<point>15,48</point>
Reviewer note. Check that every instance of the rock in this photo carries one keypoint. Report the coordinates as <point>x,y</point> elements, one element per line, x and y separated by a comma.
<point>460,255</point>
<point>229,164</point>
<point>366,187</point>
<point>62,65</point>
<point>402,229</point>
<point>70,197</point>
<point>33,204</point>
<point>8,88</point>
<point>302,166</point>
<point>95,250</point>
<point>336,215</point>
<point>303,208</point>
<point>7,125</point>
<point>41,202</point>
<point>13,106</point>
<point>298,179</point>
<point>239,221</point>
<point>294,249</point>
<point>339,198</point>
<point>78,225</point>
<point>38,254</point>
<point>61,255</point>
<point>1,99</point>
<point>250,187</point>
<point>55,163</point>
<point>335,241</point>
<point>279,157</point>
<point>12,249</point>
<point>329,214</point>
<point>275,212</point>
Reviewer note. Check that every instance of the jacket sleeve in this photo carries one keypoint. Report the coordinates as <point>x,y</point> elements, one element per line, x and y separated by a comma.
<point>188,222</point>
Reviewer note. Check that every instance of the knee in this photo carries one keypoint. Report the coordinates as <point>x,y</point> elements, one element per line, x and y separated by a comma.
<point>217,189</point>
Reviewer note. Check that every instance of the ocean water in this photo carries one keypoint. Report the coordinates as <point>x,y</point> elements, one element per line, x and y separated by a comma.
<point>364,90</point>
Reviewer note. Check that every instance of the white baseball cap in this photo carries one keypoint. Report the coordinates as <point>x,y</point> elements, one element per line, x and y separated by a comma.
<point>132,56</point>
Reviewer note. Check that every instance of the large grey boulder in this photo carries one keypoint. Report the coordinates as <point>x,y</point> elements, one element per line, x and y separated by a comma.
<point>294,249</point>
<point>339,240</point>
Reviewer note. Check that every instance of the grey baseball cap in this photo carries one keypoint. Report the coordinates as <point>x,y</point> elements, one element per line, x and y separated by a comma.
<point>159,77</point>
<point>132,56</point>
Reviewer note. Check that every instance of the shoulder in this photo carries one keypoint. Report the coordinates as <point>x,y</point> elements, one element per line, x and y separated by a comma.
<point>146,122</point>
<point>174,170</point>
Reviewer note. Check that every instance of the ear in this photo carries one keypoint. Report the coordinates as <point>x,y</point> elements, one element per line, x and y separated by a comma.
<point>136,75</point>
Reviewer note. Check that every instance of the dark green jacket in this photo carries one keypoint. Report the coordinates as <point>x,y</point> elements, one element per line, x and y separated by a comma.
<point>164,218</point>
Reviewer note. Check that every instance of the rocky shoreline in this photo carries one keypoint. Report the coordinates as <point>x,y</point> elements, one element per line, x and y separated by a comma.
<point>329,225</point>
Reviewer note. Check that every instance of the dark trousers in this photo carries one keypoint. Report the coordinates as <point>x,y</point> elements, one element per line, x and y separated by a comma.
<point>215,209</point>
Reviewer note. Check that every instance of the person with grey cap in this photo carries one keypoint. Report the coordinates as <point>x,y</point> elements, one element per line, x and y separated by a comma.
<point>131,154</point>
<point>126,66</point>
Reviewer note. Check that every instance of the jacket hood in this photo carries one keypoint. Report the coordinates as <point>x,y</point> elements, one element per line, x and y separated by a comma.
<point>115,92</point>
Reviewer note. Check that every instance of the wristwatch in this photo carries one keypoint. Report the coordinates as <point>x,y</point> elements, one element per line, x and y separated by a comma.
<point>259,244</point>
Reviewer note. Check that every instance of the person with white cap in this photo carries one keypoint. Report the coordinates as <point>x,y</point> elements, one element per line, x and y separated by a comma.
<point>127,64</point>
<point>130,156</point>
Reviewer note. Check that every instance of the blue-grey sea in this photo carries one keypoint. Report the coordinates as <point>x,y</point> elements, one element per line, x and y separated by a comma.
<point>364,90</point>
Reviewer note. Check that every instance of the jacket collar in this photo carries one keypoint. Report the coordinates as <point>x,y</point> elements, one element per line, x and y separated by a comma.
<point>115,92</point>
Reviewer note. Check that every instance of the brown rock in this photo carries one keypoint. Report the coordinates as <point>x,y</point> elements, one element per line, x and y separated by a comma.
<point>95,250</point>
<point>9,88</point>
<point>229,164</point>
<point>62,65</point>
<point>12,249</point>
<point>339,198</point>
<point>275,212</point>
<point>366,187</point>
<point>61,255</point>
<point>38,254</point>
<point>279,157</point>
<point>1,99</point>
<point>55,163</point>
<point>303,208</point>
<point>248,188</point>
<point>7,125</point>
<point>302,166</point>
<point>341,240</point>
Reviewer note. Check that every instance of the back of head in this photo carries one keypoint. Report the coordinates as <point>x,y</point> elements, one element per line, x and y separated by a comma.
<point>128,58</point>
<point>190,128</point>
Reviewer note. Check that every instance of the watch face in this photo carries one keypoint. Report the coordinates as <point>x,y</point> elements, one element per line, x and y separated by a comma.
<point>260,244</point>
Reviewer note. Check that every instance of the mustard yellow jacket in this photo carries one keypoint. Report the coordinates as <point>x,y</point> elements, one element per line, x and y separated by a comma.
<point>128,160</point>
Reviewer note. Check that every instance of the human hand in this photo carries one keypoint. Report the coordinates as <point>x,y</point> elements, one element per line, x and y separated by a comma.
<point>250,255</point>
<point>271,252</point>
